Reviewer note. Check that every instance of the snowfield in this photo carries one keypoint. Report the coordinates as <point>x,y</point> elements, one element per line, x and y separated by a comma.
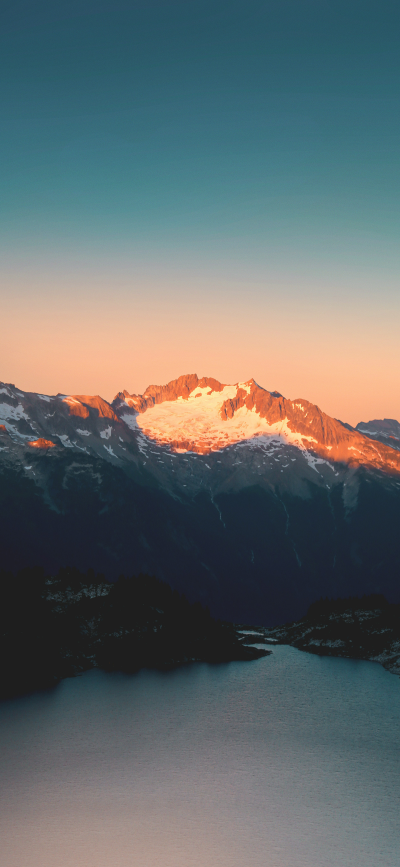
<point>196,422</point>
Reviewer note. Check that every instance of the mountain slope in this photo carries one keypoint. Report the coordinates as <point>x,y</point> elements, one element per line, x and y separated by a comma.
<point>247,501</point>
<point>385,430</point>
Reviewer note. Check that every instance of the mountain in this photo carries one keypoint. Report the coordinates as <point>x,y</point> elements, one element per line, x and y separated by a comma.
<point>252,503</point>
<point>385,430</point>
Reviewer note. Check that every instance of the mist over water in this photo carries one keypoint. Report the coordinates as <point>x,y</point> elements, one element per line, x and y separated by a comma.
<point>290,761</point>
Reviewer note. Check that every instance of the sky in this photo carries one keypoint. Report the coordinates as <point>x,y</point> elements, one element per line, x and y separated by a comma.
<point>207,187</point>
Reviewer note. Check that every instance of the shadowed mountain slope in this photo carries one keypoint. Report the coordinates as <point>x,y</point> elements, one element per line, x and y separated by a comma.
<point>385,430</point>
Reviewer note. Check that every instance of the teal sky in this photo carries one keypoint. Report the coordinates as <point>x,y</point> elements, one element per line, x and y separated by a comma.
<point>224,147</point>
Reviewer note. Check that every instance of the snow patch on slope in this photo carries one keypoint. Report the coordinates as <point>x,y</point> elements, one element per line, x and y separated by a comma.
<point>110,452</point>
<point>65,440</point>
<point>14,412</point>
<point>130,420</point>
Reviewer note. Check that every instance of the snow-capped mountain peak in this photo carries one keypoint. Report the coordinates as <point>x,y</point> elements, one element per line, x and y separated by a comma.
<point>195,416</point>
<point>203,415</point>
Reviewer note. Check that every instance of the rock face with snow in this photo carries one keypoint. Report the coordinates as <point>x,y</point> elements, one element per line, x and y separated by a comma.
<point>202,416</point>
<point>253,503</point>
<point>385,430</point>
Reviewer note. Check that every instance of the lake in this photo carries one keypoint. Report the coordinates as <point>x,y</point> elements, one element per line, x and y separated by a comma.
<point>289,761</point>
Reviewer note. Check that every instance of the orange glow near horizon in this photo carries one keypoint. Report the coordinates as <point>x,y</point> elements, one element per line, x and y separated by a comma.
<point>337,351</point>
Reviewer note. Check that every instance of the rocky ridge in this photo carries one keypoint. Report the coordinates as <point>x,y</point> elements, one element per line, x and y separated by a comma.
<point>385,430</point>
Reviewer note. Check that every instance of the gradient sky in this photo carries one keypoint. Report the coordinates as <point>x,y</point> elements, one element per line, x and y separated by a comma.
<point>207,187</point>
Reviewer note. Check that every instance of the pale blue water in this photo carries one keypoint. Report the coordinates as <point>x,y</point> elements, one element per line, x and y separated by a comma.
<point>291,760</point>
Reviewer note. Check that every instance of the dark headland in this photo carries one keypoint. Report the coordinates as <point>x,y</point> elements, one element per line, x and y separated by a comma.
<point>357,628</point>
<point>52,627</point>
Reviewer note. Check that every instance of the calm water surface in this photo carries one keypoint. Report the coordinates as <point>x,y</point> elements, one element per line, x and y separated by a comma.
<point>290,761</point>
